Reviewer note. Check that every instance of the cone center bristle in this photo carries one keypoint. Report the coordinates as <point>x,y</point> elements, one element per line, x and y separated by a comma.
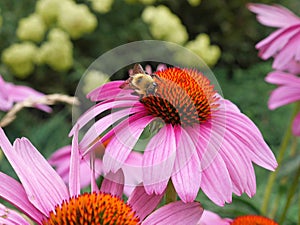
<point>183,96</point>
<point>93,208</point>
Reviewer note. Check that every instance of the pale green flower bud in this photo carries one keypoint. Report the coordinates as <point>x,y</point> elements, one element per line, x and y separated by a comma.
<point>201,46</point>
<point>76,19</point>
<point>165,25</point>
<point>20,58</point>
<point>49,9</point>
<point>194,2</point>
<point>57,52</point>
<point>102,6</point>
<point>31,28</point>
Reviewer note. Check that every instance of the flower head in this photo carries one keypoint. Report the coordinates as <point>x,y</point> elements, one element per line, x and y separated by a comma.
<point>198,139</point>
<point>288,91</point>
<point>281,43</point>
<point>11,93</point>
<point>43,196</point>
<point>209,218</point>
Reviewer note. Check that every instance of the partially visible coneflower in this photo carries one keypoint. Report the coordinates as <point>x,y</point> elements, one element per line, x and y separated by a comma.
<point>281,43</point>
<point>288,91</point>
<point>211,218</point>
<point>43,196</point>
<point>200,140</point>
<point>11,93</point>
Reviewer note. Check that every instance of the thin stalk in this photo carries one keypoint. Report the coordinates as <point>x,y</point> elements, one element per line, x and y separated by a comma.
<point>282,151</point>
<point>171,195</point>
<point>292,191</point>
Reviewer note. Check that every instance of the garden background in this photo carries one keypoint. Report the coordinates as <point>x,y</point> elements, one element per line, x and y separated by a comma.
<point>223,33</point>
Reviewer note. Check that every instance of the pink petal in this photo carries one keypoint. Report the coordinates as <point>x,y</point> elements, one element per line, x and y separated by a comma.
<point>109,90</point>
<point>132,169</point>
<point>271,45</point>
<point>288,52</point>
<point>283,78</point>
<point>13,192</point>
<point>273,16</point>
<point>60,156</point>
<point>186,175</point>
<point>11,217</point>
<point>210,218</point>
<point>126,136</point>
<point>74,178</point>
<point>175,213</point>
<point>113,183</point>
<point>250,137</point>
<point>99,108</point>
<point>44,188</point>
<point>283,95</point>
<point>216,182</point>
<point>104,123</point>
<point>158,160</point>
<point>296,125</point>
<point>142,203</point>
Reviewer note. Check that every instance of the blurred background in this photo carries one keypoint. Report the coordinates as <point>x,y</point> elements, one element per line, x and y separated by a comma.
<point>49,44</point>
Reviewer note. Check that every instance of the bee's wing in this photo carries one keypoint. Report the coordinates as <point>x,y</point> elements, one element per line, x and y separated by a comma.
<point>137,68</point>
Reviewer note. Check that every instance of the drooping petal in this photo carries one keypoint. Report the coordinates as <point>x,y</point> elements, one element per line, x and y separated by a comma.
<point>158,160</point>
<point>273,15</point>
<point>176,213</point>
<point>250,137</point>
<point>118,149</point>
<point>283,95</point>
<point>44,188</point>
<point>142,203</point>
<point>113,183</point>
<point>186,175</point>
<point>13,192</point>
<point>99,108</point>
<point>11,217</point>
<point>104,123</point>
<point>109,90</point>
<point>74,178</point>
<point>283,78</point>
<point>296,125</point>
<point>216,182</point>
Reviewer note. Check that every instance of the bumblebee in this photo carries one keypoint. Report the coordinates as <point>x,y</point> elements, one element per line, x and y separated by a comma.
<point>142,83</point>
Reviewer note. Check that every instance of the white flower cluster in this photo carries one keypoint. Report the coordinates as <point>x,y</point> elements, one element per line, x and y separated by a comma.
<point>164,25</point>
<point>101,6</point>
<point>201,46</point>
<point>63,20</point>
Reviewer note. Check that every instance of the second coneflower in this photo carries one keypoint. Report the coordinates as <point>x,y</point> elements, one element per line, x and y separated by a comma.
<point>43,196</point>
<point>200,140</point>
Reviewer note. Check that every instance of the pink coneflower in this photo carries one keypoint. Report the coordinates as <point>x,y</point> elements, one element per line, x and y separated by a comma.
<point>288,91</point>
<point>200,140</point>
<point>209,218</point>
<point>10,94</point>
<point>43,196</point>
<point>283,43</point>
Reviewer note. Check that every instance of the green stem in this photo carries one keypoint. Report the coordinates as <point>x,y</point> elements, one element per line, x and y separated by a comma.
<point>291,192</point>
<point>282,150</point>
<point>171,195</point>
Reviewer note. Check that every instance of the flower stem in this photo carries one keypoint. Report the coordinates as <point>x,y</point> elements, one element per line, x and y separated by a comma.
<point>171,195</point>
<point>291,192</point>
<point>282,150</point>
